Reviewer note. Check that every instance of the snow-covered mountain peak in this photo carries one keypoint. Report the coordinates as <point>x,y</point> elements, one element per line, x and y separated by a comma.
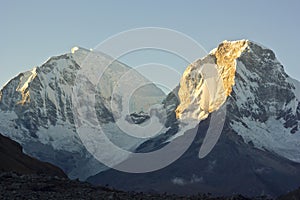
<point>37,107</point>
<point>262,101</point>
<point>207,82</point>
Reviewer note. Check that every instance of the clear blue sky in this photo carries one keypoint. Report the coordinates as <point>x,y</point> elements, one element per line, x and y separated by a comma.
<point>31,31</point>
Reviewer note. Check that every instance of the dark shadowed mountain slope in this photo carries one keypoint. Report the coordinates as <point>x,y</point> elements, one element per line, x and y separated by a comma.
<point>233,167</point>
<point>13,159</point>
<point>293,195</point>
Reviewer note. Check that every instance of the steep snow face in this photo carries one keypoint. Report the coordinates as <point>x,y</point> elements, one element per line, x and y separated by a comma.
<point>36,108</point>
<point>206,83</point>
<point>264,106</point>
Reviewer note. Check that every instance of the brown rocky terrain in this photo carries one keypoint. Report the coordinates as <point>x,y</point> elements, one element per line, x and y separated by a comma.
<point>16,186</point>
<point>12,158</point>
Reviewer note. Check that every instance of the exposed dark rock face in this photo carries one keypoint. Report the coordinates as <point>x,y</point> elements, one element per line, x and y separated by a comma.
<point>137,118</point>
<point>263,81</point>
